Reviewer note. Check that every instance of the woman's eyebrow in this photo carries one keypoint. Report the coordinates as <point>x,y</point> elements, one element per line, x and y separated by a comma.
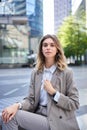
<point>48,43</point>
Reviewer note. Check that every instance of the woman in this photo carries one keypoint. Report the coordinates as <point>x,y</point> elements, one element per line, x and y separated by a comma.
<point>53,96</point>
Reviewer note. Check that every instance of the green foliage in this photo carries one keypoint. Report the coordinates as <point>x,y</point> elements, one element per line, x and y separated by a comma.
<point>73,36</point>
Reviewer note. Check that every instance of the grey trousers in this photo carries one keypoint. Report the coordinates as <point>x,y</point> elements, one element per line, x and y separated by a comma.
<point>27,121</point>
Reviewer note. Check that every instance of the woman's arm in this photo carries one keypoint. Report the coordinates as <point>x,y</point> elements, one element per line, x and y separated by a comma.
<point>70,101</point>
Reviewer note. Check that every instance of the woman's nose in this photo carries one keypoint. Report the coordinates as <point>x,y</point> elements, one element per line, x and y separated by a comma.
<point>48,47</point>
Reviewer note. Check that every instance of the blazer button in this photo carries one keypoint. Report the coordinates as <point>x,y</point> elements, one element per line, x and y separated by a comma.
<point>60,117</point>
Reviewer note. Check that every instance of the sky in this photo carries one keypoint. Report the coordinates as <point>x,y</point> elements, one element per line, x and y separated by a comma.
<point>75,4</point>
<point>48,18</point>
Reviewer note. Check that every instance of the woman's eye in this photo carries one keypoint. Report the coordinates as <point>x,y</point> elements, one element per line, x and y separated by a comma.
<point>52,45</point>
<point>45,45</point>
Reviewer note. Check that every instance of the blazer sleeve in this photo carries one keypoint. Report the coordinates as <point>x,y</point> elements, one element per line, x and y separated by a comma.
<point>28,102</point>
<point>70,101</point>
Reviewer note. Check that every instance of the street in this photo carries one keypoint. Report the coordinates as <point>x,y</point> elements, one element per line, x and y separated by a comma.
<point>14,85</point>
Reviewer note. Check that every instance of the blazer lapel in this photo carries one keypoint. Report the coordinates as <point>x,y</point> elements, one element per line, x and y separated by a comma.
<point>55,79</point>
<point>38,80</point>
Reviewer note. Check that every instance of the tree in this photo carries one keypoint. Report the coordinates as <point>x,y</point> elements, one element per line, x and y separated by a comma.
<point>72,35</point>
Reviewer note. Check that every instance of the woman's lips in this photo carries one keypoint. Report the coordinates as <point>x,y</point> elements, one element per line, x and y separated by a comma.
<point>47,52</point>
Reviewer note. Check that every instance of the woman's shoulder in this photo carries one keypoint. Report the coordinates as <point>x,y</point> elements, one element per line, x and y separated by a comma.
<point>35,71</point>
<point>68,70</point>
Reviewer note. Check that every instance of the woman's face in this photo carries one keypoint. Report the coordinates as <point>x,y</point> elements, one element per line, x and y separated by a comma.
<point>49,49</point>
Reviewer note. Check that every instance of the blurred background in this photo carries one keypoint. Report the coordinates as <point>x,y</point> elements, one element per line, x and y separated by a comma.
<point>24,22</point>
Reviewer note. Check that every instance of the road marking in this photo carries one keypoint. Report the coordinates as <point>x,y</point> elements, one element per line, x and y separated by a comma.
<point>25,85</point>
<point>10,92</point>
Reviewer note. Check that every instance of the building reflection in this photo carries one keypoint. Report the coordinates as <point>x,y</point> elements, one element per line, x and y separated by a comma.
<point>13,43</point>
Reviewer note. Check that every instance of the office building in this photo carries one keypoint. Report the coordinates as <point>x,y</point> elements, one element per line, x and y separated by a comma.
<point>62,9</point>
<point>21,36</point>
<point>34,10</point>
<point>35,16</point>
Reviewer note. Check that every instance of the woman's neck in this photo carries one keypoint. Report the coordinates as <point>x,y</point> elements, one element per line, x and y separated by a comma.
<point>49,63</point>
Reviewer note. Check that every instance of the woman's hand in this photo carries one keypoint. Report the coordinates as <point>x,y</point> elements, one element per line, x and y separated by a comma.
<point>48,87</point>
<point>9,112</point>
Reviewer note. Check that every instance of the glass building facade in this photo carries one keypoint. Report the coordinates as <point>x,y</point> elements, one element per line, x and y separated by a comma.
<point>13,32</point>
<point>13,7</point>
<point>35,16</point>
<point>13,44</point>
<point>20,36</point>
<point>19,7</point>
<point>33,9</point>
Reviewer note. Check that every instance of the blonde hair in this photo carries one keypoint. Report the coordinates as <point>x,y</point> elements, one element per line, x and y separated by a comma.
<point>60,59</point>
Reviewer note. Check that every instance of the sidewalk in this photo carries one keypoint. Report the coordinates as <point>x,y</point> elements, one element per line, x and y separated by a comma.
<point>82,112</point>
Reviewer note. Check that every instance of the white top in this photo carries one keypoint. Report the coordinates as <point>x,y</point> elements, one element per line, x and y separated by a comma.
<point>47,74</point>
